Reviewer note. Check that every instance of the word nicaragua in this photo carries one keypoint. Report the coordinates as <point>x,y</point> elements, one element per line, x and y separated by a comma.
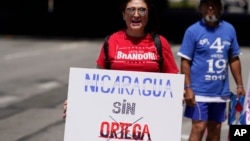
<point>124,130</point>
<point>124,84</point>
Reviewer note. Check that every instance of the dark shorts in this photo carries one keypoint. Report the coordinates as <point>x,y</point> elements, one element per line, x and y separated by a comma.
<point>207,111</point>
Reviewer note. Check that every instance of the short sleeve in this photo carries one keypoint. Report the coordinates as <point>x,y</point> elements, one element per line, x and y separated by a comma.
<point>169,63</point>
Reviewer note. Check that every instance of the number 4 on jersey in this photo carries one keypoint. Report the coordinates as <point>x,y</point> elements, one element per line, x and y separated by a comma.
<point>217,44</point>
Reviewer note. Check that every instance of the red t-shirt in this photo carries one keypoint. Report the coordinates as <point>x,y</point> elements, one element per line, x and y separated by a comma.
<point>137,54</point>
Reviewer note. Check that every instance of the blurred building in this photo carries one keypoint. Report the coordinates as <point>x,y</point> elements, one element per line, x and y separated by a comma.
<point>78,18</point>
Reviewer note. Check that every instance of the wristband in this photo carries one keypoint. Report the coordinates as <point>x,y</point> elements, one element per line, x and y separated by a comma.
<point>187,86</point>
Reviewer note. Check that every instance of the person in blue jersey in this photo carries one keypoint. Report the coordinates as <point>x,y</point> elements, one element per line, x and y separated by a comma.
<point>209,48</point>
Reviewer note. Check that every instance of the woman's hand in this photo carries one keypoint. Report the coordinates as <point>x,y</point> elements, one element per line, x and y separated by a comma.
<point>65,109</point>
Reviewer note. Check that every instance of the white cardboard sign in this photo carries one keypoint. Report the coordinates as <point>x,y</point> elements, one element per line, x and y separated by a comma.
<point>110,105</point>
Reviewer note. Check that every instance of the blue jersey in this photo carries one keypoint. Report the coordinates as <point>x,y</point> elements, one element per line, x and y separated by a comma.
<point>209,49</point>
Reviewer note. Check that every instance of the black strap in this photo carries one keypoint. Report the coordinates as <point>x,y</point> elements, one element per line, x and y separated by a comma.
<point>159,50</point>
<point>106,52</point>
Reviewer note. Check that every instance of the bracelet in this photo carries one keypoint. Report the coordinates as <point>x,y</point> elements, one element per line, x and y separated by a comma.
<point>240,86</point>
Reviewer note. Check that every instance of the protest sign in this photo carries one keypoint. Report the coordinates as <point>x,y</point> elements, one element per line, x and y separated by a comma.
<point>111,105</point>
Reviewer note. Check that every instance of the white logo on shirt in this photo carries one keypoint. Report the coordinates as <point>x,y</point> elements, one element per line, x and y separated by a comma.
<point>136,56</point>
<point>204,41</point>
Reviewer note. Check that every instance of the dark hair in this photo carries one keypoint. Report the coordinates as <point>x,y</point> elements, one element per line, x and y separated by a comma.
<point>218,3</point>
<point>153,19</point>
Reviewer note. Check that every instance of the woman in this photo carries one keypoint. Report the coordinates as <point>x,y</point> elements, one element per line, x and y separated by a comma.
<point>133,48</point>
<point>137,40</point>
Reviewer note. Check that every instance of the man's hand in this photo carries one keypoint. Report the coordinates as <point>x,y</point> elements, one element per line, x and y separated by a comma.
<point>189,97</point>
<point>240,91</point>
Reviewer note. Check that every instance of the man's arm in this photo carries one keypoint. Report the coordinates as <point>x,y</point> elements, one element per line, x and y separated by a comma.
<point>189,94</point>
<point>185,69</point>
<point>235,66</point>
